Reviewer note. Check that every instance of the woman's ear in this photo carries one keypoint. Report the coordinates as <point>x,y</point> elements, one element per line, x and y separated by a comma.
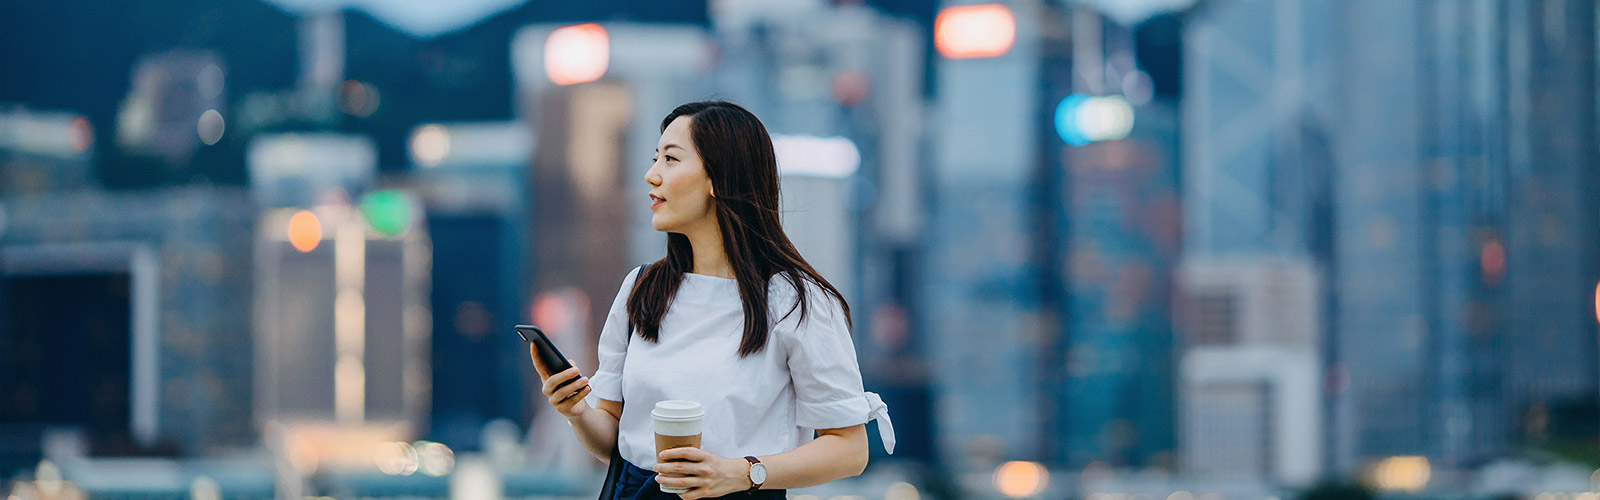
<point>713,191</point>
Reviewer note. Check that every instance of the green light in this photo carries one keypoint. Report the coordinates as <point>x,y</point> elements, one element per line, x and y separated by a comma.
<point>387,211</point>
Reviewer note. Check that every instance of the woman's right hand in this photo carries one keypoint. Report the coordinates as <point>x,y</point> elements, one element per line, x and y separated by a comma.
<point>567,400</point>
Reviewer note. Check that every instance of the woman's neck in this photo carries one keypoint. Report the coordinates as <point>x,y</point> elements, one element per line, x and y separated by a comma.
<point>709,257</point>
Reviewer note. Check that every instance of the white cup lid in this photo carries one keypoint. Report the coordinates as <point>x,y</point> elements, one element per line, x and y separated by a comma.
<point>678,409</point>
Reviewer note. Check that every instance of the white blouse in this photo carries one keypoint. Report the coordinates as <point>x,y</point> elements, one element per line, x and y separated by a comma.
<point>771,402</point>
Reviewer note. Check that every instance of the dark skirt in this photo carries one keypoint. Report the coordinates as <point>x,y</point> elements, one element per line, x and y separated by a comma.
<point>636,483</point>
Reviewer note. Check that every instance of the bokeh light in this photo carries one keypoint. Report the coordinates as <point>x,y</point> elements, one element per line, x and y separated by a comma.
<point>302,454</point>
<point>902,491</point>
<point>1402,473</point>
<point>210,81</point>
<point>434,459</point>
<point>1493,261</point>
<point>577,54</point>
<point>851,87</point>
<point>973,31</point>
<point>1021,479</point>
<point>357,98</point>
<point>387,211</point>
<point>210,127</point>
<point>48,478</point>
<point>429,145</point>
<point>82,134</point>
<point>1597,318</point>
<point>551,310</point>
<point>204,488</point>
<point>305,231</point>
<point>396,458</point>
<point>1081,119</point>
<point>831,157</point>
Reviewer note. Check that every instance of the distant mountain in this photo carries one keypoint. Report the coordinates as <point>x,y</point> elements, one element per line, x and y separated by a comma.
<point>77,55</point>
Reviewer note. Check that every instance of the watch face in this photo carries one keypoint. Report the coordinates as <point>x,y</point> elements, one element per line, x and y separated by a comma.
<point>758,473</point>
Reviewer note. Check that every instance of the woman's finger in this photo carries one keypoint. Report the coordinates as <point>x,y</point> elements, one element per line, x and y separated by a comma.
<point>563,393</point>
<point>675,482</point>
<point>680,481</point>
<point>684,454</point>
<point>577,390</point>
<point>553,382</point>
<point>675,469</point>
<point>538,365</point>
<point>561,385</point>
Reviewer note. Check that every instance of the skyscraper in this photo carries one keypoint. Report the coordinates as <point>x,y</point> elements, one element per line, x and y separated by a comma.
<point>341,320</point>
<point>473,193</point>
<point>1462,197</point>
<point>1422,159</point>
<point>1249,377</point>
<point>1121,243</point>
<point>988,331</point>
<point>1058,248</point>
<point>1258,115</point>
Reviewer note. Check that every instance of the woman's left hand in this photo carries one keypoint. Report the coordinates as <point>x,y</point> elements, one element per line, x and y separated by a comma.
<point>707,475</point>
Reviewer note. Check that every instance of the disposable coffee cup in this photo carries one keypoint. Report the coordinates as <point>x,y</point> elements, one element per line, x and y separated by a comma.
<point>677,424</point>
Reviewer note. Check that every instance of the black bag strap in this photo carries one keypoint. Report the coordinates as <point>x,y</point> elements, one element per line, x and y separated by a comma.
<point>613,474</point>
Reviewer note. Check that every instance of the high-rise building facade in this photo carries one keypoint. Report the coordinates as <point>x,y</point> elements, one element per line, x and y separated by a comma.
<point>1058,249</point>
<point>1428,156</point>
<point>1249,383</point>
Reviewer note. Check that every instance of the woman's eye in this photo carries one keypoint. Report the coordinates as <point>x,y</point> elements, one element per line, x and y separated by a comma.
<point>670,158</point>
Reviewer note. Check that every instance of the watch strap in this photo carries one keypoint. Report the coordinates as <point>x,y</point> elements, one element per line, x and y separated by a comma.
<point>753,484</point>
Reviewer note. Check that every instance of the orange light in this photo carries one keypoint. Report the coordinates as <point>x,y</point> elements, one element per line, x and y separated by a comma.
<point>1493,261</point>
<point>82,135</point>
<point>577,54</point>
<point>1403,473</point>
<point>357,98</point>
<point>1021,479</point>
<point>1597,318</point>
<point>551,311</point>
<point>305,231</point>
<point>972,31</point>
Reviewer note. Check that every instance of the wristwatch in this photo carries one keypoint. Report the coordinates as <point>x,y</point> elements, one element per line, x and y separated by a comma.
<point>758,473</point>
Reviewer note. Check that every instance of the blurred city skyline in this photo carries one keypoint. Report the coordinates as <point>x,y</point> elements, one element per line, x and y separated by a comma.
<point>1099,250</point>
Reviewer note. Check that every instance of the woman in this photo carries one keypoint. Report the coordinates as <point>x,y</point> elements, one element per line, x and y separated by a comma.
<point>720,320</point>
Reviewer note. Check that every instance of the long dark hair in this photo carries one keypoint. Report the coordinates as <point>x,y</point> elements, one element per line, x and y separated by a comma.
<point>737,154</point>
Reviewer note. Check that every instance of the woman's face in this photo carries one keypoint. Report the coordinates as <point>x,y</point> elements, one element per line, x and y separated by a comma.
<point>680,194</point>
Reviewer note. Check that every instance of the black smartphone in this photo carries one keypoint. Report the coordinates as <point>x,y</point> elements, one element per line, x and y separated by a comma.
<point>548,355</point>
